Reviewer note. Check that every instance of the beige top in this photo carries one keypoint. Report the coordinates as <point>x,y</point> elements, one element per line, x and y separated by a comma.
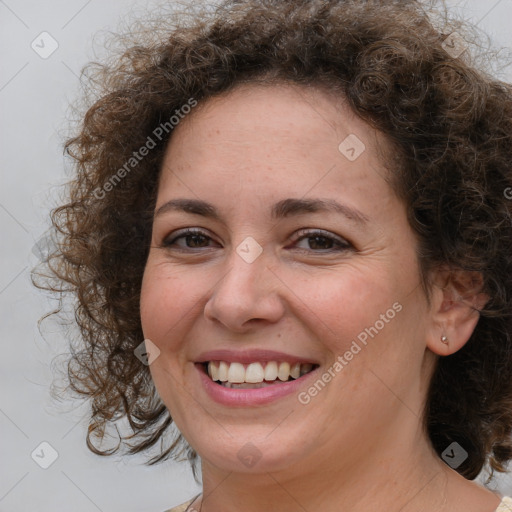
<point>505,506</point>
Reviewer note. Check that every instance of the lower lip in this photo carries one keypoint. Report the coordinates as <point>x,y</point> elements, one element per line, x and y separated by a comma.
<point>248,397</point>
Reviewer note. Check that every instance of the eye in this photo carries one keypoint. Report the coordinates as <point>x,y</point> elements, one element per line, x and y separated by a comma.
<point>193,238</point>
<point>321,241</point>
<point>318,240</point>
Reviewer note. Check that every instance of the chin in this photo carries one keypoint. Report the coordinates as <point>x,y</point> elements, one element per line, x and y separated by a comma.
<point>252,456</point>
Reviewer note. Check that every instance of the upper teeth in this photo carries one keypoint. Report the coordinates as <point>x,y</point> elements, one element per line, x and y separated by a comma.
<point>255,372</point>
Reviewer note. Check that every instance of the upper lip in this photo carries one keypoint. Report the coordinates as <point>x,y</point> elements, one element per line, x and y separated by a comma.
<point>251,356</point>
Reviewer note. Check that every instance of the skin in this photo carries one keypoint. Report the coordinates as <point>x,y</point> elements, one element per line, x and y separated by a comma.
<point>359,444</point>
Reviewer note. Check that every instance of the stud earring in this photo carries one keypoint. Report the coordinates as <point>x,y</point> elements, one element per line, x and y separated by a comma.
<point>444,339</point>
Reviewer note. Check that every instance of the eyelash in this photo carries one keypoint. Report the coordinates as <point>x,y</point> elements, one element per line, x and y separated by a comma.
<point>302,234</point>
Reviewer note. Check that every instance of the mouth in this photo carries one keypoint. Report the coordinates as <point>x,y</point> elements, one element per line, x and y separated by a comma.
<point>256,374</point>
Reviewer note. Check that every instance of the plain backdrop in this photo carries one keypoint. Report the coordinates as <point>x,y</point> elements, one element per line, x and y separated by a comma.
<point>35,95</point>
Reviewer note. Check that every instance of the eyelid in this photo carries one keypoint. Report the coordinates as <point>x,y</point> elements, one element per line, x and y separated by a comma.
<point>303,233</point>
<point>167,240</point>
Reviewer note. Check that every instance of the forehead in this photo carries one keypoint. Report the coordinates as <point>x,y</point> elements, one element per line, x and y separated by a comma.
<point>313,113</point>
<point>284,139</point>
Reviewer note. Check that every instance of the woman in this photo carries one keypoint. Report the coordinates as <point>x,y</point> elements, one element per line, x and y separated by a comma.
<point>301,207</point>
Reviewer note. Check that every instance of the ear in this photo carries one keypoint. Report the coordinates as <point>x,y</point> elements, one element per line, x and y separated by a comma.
<point>457,299</point>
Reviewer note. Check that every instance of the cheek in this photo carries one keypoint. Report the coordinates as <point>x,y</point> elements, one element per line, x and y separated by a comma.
<point>165,300</point>
<point>343,303</point>
<point>167,310</point>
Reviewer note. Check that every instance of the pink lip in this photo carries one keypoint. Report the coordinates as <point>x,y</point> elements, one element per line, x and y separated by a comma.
<point>250,356</point>
<point>250,397</point>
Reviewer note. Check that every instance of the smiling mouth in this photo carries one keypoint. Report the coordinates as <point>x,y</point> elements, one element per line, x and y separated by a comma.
<point>255,375</point>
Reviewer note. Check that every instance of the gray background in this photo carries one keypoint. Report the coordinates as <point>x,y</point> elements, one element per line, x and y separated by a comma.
<point>35,95</point>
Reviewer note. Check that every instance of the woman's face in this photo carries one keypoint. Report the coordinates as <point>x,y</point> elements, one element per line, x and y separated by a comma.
<point>301,253</point>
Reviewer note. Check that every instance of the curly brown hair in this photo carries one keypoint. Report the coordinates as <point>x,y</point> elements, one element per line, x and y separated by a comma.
<point>449,120</point>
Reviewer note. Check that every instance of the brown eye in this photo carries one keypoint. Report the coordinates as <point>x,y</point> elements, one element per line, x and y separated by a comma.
<point>322,241</point>
<point>193,239</point>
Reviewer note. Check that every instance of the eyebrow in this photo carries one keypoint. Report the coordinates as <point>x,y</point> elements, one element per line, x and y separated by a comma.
<point>281,209</point>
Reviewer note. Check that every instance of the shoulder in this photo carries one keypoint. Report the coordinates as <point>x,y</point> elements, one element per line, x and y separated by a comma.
<point>505,505</point>
<point>183,507</point>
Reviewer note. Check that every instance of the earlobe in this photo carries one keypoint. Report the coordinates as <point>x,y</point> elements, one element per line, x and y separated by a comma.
<point>457,300</point>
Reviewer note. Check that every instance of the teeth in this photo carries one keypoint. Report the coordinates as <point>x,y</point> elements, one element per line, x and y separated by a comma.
<point>271,371</point>
<point>246,385</point>
<point>284,371</point>
<point>236,373</point>
<point>305,368</point>
<point>256,373</point>
<point>223,371</point>
<point>213,371</point>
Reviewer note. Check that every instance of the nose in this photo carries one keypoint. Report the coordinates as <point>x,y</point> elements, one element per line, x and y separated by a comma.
<point>248,295</point>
